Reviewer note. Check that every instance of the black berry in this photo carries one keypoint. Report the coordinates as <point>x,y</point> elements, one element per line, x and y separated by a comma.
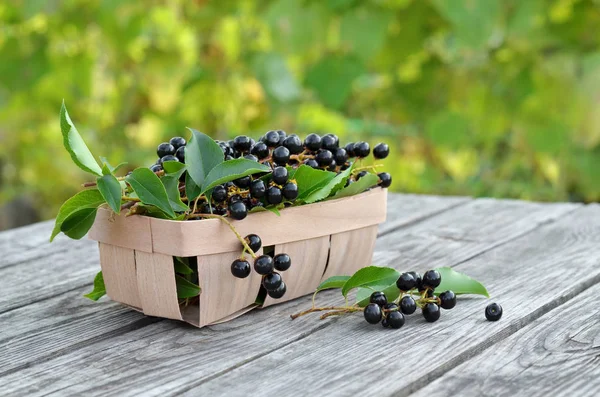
<point>274,195</point>
<point>279,292</point>
<point>238,210</point>
<point>260,150</point>
<point>385,179</point>
<point>312,163</point>
<point>263,265</point>
<point>243,182</point>
<point>290,191</point>
<point>493,312</point>
<point>281,155</point>
<point>447,300</point>
<point>272,138</point>
<point>242,143</point>
<point>408,305</point>
<point>312,142</point>
<point>340,156</point>
<point>395,319</point>
<point>253,241</point>
<point>362,149</point>
<point>219,193</point>
<point>391,306</point>
<point>165,149</point>
<point>156,167</point>
<point>329,142</point>
<point>272,281</point>
<point>431,279</point>
<point>431,312</point>
<point>361,174</point>
<point>418,279</point>
<point>251,157</point>
<point>280,175</point>
<point>177,142</point>
<point>384,323</point>
<point>293,144</point>
<point>282,262</point>
<point>381,151</point>
<point>168,157</point>
<point>406,282</point>
<point>240,268</point>
<point>324,158</point>
<point>372,313</point>
<point>258,189</point>
<point>350,149</point>
<point>180,154</point>
<point>378,298</point>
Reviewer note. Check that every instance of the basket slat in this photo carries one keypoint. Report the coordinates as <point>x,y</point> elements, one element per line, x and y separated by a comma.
<point>350,251</point>
<point>120,279</point>
<point>156,285</point>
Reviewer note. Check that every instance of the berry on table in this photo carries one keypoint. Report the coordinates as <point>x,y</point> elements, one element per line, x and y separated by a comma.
<point>257,189</point>
<point>272,138</point>
<point>177,142</point>
<point>263,265</point>
<point>372,313</point>
<point>242,143</point>
<point>395,319</point>
<point>447,300</point>
<point>406,282</point>
<point>385,179</point>
<point>418,278</point>
<point>253,241</point>
<point>493,312</point>
<point>378,298</point>
<point>280,175</point>
<point>381,151</point>
<point>281,155</point>
<point>432,279</point>
<point>274,195</point>
<point>431,312</point>
<point>282,262</point>
<point>238,210</point>
<point>312,142</point>
<point>165,149</point>
<point>362,149</point>
<point>240,268</point>
<point>272,281</point>
<point>391,306</point>
<point>384,323</point>
<point>408,305</point>
<point>279,292</point>
<point>219,193</point>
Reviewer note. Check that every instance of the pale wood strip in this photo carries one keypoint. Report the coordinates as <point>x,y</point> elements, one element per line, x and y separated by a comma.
<point>118,270</point>
<point>156,285</point>
<point>556,355</point>
<point>124,231</point>
<point>222,294</point>
<point>309,258</point>
<point>350,251</point>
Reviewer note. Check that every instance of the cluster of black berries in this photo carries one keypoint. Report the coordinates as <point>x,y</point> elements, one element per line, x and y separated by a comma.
<point>174,150</point>
<point>410,284</point>
<point>265,265</point>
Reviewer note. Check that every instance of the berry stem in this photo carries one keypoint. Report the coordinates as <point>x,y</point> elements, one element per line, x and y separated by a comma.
<point>133,199</point>
<point>239,237</point>
<point>367,167</point>
<point>335,309</point>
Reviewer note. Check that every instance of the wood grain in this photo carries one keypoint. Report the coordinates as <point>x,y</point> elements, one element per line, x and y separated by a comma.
<point>131,232</point>
<point>349,251</point>
<point>120,277</point>
<point>156,285</point>
<point>556,355</point>
<point>166,358</point>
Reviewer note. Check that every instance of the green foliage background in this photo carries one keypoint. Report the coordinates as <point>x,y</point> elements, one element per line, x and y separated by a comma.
<point>476,97</point>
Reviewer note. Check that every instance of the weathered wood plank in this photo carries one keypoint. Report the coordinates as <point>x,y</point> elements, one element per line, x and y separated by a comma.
<point>528,276</point>
<point>181,356</point>
<point>556,355</point>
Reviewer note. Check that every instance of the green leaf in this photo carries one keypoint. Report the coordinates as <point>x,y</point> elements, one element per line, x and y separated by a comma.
<point>110,188</point>
<point>191,189</point>
<point>91,198</point>
<point>333,282</point>
<point>369,276</point>
<point>150,189</point>
<point>79,223</point>
<point>75,145</point>
<point>174,167</point>
<point>202,154</point>
<point>171,184</point>
<point>110,168</point>
<point>99,289</point>
<point>357,187</point>
<point>363,295</point>
<point>332,186</point>
<point>309,179</point>
<point>459,283</point>
<point>185,288</point>
<point>182,267</point>
<point>231,170</point>
<point>274,210</point>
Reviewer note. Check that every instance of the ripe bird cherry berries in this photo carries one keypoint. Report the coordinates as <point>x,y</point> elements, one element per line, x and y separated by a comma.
<point>282,262</point>
<point>263,265</point>
<point>381,151</point>
<point>254,242</point>
<point>372,313</point>
<point>431,312</point>
<point>408,305</point>
<point>238,210</point>
<point>431,279</point>
<point>378,298</point>
<point>447,300</point>
<point>493,312</point>
<point>395,319</point>
<point>406,282</point>
<point>240,268</point>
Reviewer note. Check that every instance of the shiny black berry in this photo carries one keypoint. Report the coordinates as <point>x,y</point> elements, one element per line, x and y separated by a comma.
<point>447,300</point>
<point>361,174</point>
<point>372,313</point>
<point>312,142</point>
<point>282,136</point>
<point>340,156</point>
<point>282,262</point>
<point>238,210</point>
<point>395,319</point>
<point>177,142</point>
<point>242,143</point>
<point>180,154</point>
<point>324,158</point>
<point>332,167</point>
<point>293,144</point>
<point>281,155</point>
<point>165,149</point>
<point>378,298</point>
<point>240,268</point>
<point>251,157</point>
<point>418,279</point>
<point>243,182</point>
<point>258,189</point>
<point>381,151</point>
<point>168,157</point>
<point>408,305</point>
<point>253,241</point>
<point>263,265</point>
<point>493,312</point>
<point>329,142</point>
<point>274,195</point>
<point>384,323</point>
<point>361,149</point>
<point>431,279</point>
<point>260,150</point>
<point>406,282</point>
<point>156,167</point>
<point>219,193</point>
<point>272,281</point>
<point>272,138</point>
<point>290,191</point>
<point>279,292</point>
<point>385,179</point>
<point>280,175</point>
<point>312,163</point>
<point>391,306</point>
<point>350,149</point>
<point>431,312</point>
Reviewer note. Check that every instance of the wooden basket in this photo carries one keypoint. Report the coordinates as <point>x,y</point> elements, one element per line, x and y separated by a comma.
<point>137,253</point>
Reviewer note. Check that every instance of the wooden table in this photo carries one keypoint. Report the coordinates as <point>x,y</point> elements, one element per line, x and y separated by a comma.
<point>541,262</point>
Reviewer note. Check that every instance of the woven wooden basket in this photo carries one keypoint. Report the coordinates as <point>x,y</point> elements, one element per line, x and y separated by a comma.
<point>137,253</point>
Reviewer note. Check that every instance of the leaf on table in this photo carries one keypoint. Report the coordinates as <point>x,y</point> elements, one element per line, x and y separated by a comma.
<point>367,181</point>
<point>231,170</point>
<point>79,223</point>
<point>91,198</point>
<point>309,179</point>
<point>333,282</point>
<point>150,189</point>
<point>75,144</point>
<point>330,187</point>
<point>202,154</point>
<point>185,288</point>
<point>459,283</point>
<point>99,289</point>
<point>110,188</point>
<point>370,276</point>
<point>363,295</point>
